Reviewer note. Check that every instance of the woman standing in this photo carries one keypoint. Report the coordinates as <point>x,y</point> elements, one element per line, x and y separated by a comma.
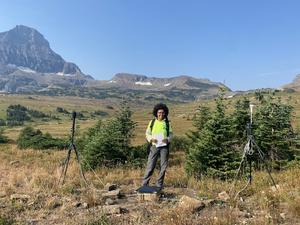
<point>158,134</point>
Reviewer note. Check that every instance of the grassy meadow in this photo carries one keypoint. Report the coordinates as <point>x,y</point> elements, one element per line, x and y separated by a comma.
<point>36,173</point>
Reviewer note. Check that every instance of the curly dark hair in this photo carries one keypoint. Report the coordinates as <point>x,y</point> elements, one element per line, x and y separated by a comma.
<point>160,106</point>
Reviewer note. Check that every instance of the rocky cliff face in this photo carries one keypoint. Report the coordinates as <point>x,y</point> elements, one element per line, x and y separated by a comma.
<point>28,64</point>
<point>26,47</point>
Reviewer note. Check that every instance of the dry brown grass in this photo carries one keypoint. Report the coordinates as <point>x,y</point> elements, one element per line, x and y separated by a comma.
<point>35,173</point>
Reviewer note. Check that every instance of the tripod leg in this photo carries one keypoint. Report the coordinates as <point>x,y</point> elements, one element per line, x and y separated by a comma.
<point>250,171</point>
<point>65,168</point>
<point>238,171</point>
<point>80,167</point>
<point>264,161</point>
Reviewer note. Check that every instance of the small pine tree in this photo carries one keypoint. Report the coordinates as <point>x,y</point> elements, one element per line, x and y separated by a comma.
<point>16,115</point>
<point>212,152</point>
<point>109,144</point>
<point>35,139</point>
<point>273,130</point>
<point>239,120</point>
<point>202,115</point>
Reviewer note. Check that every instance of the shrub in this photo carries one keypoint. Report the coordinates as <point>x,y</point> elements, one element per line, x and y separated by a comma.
<point>179,144</point>
<point>108,144</point>
<point>3,139</point>
<point>30,138</point>
<point>2,122</point>
<point>62,110</point>
<point>16,115</point>
<point>37,114</point>
<point>6,220</point>
<point>137,155</point>
<point>100,113</point>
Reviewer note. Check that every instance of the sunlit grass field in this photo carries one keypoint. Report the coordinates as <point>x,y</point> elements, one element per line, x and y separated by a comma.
<point>180,115</point>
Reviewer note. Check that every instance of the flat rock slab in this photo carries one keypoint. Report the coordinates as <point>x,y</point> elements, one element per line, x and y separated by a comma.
<point>152,197</point>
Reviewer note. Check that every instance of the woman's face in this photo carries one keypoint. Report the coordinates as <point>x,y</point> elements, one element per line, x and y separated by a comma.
<point>160,114</point>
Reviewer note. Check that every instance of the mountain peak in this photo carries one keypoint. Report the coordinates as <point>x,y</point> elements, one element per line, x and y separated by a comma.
<point>26,47</point>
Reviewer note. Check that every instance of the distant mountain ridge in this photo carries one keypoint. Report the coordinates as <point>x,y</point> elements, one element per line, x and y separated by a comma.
<point>29,65</point>
<point>135,81</point>
<point>294,85</point>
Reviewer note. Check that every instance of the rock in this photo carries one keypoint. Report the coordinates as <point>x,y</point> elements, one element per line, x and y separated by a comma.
<point>76,204</point>
<point>31,203</point>
<point>19,197</point>
<point>112,209</point>
<point>109,201</point>
<point>85,205</point>
<point>2,194</point>
<point>223,196</point>
<point>191,203</point>
<point>283,215</point>
<point>112,194</point>
<point>33,221</point>
<point>110,187</point>
<point>275,188</point>
<point>14,162</point>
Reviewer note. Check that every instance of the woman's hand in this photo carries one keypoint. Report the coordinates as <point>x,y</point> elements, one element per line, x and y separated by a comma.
<point>153,140</point>
<point>165,141</point>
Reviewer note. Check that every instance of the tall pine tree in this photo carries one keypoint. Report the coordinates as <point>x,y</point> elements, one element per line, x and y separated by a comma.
<point>212,153</point>
<point>273,130</point>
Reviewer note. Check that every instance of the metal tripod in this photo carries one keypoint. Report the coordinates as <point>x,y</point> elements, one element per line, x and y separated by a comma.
<point>67,160</point>
<point>249,151</point>
<point>247,155</point>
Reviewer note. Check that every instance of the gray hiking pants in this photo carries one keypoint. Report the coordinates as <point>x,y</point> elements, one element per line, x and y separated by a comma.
<point>152,159</point>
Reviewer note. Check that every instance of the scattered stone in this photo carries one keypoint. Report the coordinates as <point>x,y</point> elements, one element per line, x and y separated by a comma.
<point>33,221</point>
<point>223,196</point>
<point>14,162</point>
<point>268,216</point>
<point>31,203</point>
<point>2,194</point>
<point>19,197</point>
<point>113,209</point>
<point>275,188</point>
<point>109,201</point>
<point>112,194</point>
<point>76,204</point>
<point>191,203</point>
<point>110,187</point>
<point>282,215</point>
<point>85,205</point>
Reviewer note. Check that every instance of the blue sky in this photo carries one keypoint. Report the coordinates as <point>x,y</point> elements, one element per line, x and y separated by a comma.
<point>244,43</point>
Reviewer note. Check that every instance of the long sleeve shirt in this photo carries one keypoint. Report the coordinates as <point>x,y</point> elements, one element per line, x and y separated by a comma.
<point>159,132</point>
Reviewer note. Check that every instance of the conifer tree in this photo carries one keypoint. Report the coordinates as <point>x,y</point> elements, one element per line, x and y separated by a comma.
<point>273,130</point>
<point>239,120</point>
<point>212,153</point>
<point>109,143</point>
